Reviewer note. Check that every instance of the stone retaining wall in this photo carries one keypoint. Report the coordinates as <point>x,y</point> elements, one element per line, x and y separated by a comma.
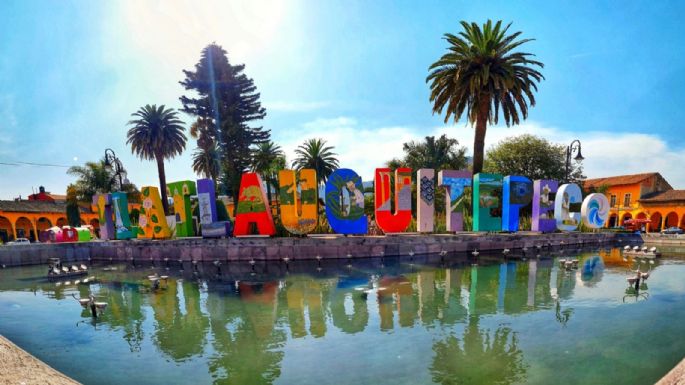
<point>324,247</point>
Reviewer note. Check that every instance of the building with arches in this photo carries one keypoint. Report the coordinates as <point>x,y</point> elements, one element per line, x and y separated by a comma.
<point>643,196</point>
<point>27,218</point>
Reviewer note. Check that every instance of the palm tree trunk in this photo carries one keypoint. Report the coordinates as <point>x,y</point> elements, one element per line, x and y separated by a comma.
<point>162,183</point>
<point>479,140</point>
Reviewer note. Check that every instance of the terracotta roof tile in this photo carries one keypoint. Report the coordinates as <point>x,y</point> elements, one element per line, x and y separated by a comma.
<point>25,206</point>
<point>665,196</point>
<point>618,180</point>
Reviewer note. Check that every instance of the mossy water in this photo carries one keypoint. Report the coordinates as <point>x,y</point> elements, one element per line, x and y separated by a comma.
<point>396,321</point>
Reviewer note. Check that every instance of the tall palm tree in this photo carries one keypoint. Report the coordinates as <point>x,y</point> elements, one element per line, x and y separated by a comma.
<point>314,153</point>
<point>481,74</point>
<point>264,161</point>
<point>157,134</point>
<point>206,157</point>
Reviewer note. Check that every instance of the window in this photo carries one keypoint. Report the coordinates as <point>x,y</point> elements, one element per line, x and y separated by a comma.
<point>613,201</point>
<point>626,200</point>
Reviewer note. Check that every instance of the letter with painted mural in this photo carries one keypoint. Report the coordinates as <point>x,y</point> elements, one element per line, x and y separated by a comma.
<point>103,204</point>
<point>425,200</point>
<point>457,185</point>
<point>152,221</point>
<point>594,211</point>
<point>345,212</point>
<point>517,193</point>
<point>543,205</point>
<point>566,210</point>
<point>210,225</point>
<point>385,219</point>
<point>253,207</point>
<point>298,201</point>
<point>181,192</point>
<point>122,222</point>
<point>487,202</point>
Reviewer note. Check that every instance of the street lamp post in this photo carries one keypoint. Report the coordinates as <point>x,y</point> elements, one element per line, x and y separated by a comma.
<point>573,147</point>
<point>113,163</point>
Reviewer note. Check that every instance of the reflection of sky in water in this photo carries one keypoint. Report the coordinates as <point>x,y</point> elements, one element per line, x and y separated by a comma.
<point>319,328</point>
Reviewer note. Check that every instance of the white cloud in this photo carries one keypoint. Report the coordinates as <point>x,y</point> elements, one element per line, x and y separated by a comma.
<point>364,148</point>
<point>294,106</point>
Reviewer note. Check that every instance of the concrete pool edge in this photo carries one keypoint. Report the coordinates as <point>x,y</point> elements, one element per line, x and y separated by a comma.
<point>674,377</point>
<point>20,367</point>
<point>307,248</point>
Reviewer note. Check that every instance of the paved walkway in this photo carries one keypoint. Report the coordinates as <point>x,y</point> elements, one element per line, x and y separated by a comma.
<point>17,367</point>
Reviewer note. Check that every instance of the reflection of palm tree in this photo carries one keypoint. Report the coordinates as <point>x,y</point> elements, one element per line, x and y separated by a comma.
<point>124,312</point>
<point>479,357</point>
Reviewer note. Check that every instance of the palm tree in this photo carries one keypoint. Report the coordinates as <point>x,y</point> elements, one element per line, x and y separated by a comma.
<point>480,74</point>
<point>314,153</point>
<point>441,154</point>
<point>206,157</point>
<point>94,178</point>
<point>157,134</point>
<point>265,161</point>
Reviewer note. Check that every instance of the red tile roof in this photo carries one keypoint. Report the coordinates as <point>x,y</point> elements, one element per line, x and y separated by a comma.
<point>665,196</point>
<point>618,180</point>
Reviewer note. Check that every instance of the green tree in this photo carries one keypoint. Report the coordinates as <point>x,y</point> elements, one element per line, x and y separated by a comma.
<point>206,157</point>
<point>267,160</point>
<point>531,156</point>
<point>73,211</point>
<point>481,74</point>
<point>94,178</point>
<point>314,153</point>
<point>441,154</point>
<point>227,102</point>
<point>157,134</point>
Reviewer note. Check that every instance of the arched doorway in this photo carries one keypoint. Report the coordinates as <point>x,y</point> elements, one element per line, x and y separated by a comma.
<point>613,221</point>
<point>682,222</point>
<point>656,222</point>
<point>43,224</point>
<point>6,230</point>
<point>25,229</point>
<point>671,220</point>
<point>641,216</point>
<point>626,216</point>
<point>62,222</point>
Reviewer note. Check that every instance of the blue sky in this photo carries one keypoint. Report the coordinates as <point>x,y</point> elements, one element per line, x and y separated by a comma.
<point>352,72</point>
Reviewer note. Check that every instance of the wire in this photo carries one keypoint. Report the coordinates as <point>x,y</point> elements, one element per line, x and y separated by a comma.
<point>19,164</point>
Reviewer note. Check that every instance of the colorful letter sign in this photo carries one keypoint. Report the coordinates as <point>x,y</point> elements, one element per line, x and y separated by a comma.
<point>543,206</point>
<point>122,222</point>
<point>181,192</point>
<point>152,221</point>
<point>253,207</point>
<point>385,219</point>
<point>425,200</point>
<point>595,210</point>
<point>345,214</point>
<point>206,199</point>
<point>487,202</point>
<point>456,184</point>
<point>299,206</point>
<point>103,202</point>
<point>568,197</point>
<point>517,193</point>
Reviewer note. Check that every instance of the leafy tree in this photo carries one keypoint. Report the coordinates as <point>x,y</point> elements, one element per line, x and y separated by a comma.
<point>94,178</point>
<point>227,102</point>
<point>441,154</point>
<point>157,134</point>
<point>206,157</point>
<point>267,160</point>
<point>481,74</point>
<point>530,156</point>
<point>314,153</point>
<point>73,211</point>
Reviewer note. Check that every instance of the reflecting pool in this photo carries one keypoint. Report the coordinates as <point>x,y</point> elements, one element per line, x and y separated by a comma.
<point>391,321</point>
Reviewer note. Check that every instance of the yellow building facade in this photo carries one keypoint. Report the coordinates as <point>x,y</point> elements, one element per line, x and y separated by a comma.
<point>642,196</point>
<point>27,218</point>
